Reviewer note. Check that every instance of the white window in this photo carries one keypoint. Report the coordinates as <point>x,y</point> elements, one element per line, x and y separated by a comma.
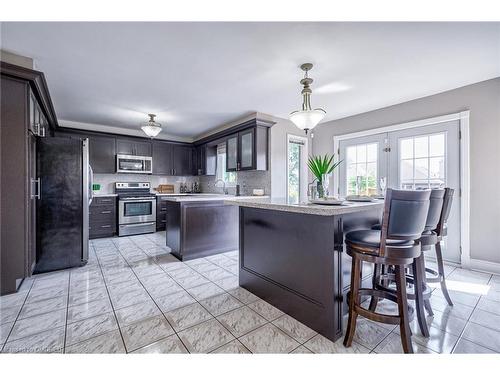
<point>220,174</point>
<point>361,168</point>
<point>422,161</point>
<point>296,169</point>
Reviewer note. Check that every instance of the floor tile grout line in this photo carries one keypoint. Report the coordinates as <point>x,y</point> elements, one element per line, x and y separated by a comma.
<point>17,317</point>
<point>154,301</point>
<point>109,297</point>
<point>67,312</point>
<point>469,321</point>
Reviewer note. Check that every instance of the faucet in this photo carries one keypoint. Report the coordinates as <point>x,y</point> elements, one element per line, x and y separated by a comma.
<point>224,189</point>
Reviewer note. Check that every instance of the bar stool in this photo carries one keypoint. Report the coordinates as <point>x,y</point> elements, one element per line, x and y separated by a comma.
<point>441,232</point>
<point>435,230</point>
<point>383,278</point>
<point>396,244</point>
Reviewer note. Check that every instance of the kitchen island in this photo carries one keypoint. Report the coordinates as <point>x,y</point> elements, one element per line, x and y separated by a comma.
<point>292,256</point>
<point>200,225</point>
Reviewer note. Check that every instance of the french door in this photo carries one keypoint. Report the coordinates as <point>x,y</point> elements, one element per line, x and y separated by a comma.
<point>416,158</point>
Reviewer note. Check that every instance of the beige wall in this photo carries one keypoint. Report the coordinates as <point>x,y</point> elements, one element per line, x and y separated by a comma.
<point>483,101</point>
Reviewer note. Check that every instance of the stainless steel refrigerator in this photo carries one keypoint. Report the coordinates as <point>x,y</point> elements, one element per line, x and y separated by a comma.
<point>63,207</point>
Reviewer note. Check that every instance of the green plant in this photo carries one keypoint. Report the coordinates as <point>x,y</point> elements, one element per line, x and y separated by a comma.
<point>321,165</point>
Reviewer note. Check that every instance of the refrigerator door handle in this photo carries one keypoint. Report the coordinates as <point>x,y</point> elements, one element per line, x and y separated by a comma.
<point>38,194</point>
<point>91,184</point>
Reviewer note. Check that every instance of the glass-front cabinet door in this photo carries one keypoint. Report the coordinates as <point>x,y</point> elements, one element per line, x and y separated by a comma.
<point>246,146</point>
<point>232,153</point>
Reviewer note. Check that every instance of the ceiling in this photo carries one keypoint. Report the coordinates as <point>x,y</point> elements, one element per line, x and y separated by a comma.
<point>198,76</point>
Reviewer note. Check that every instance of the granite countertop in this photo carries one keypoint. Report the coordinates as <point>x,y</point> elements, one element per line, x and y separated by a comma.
<point>212,197</point>
<point>305,208</point>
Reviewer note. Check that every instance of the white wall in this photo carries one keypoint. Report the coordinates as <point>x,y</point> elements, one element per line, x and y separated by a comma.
<point>483,101</point>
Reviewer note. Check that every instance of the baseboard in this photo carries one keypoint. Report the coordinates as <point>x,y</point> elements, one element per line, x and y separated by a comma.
<point>485,266</point>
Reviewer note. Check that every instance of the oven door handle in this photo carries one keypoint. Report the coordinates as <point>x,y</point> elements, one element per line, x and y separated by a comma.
<point>137,225</point>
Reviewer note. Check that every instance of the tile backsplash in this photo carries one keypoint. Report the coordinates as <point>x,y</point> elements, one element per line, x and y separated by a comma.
<point>248,180</point>
<point>107,180</point>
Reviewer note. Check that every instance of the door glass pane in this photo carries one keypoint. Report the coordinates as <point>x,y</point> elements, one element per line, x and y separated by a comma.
<point>246,150</point>
<point>436,145</point>
<point>362,169</point>
<point>294,157</point>
<point>406,149</point>
<point>421,147</point>
<point>231,152</point>
<point>427,167</point>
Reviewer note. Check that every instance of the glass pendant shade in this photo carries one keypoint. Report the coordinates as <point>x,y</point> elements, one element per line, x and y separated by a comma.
<point>151,128</point>
<point>308,119</point>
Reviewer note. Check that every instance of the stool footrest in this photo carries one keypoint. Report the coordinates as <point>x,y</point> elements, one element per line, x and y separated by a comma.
<point>379,317</point>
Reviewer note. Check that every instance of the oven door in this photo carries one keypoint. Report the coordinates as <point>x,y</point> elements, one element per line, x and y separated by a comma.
<point>133,211</point>
<point>134,164</point>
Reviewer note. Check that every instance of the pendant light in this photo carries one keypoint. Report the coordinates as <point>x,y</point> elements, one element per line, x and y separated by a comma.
<point>151,128</point>
<point>307,118</point>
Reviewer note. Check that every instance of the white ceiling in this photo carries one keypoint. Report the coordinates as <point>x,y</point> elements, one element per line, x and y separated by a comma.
<point>198,76</point>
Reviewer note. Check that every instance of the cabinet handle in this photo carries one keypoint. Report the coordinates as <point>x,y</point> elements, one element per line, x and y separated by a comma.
<point>38,194</point>
<point>42,131</point>
<point>106,226</point>
<point>105,212</point>
<point>105,200</point>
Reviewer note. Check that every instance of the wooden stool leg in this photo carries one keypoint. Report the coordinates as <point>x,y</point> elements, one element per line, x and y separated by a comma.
<point>439,261</point>
<point>376,274</point>
<point>353,300</point>
<point>418,283</point>
<point>404,324</point>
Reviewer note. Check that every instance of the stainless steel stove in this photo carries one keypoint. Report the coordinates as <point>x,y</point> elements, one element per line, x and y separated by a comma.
<point>136,208</point>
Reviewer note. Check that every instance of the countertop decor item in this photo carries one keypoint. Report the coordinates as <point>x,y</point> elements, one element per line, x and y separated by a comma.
<point>322,167</point>
<point>151,128</point>
<point>307,118</point>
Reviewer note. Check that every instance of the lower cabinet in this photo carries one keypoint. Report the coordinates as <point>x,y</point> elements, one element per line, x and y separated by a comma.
<point>102,217</point>
<point>161,213</point>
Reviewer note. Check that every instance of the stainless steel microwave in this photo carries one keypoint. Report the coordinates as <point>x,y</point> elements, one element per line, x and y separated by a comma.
<point>134,164</point>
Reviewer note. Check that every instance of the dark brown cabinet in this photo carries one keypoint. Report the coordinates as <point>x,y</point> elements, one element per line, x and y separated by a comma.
<point>26,114</point>
<point>162,158</point>
<point>183,159</point>
<point>161,213</point>
<point>205,160</point>
<point>247,150</point>
<point>172,159</point>
<point>132,147</point>
<point>102,154</point>
<point>102,217</point>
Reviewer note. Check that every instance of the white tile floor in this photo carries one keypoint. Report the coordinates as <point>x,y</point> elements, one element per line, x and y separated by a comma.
<point>134,297</point>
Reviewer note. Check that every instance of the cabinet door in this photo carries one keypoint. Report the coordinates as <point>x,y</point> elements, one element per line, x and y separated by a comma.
<point>246,147</point>
<point>102,154</point>
<point>182,160</point>
<point>162,158</point>
<point>232,153</point>
<point>32,201</point>
<point>142,148</point>
<point>125,146</point>
<point>32,109</point>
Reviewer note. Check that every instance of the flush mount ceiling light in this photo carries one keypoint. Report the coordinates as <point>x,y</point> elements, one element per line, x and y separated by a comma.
<point>307,118</point>
<point>151,128</point>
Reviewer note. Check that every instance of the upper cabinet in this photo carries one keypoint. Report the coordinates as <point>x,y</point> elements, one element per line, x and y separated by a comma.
<point>172,159</point>
<point>162,158</point>
<point>183,160</point>
<point>205,160</point>
<point>102,153</point>
<point>247,150</point>
<point>132,147</point>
